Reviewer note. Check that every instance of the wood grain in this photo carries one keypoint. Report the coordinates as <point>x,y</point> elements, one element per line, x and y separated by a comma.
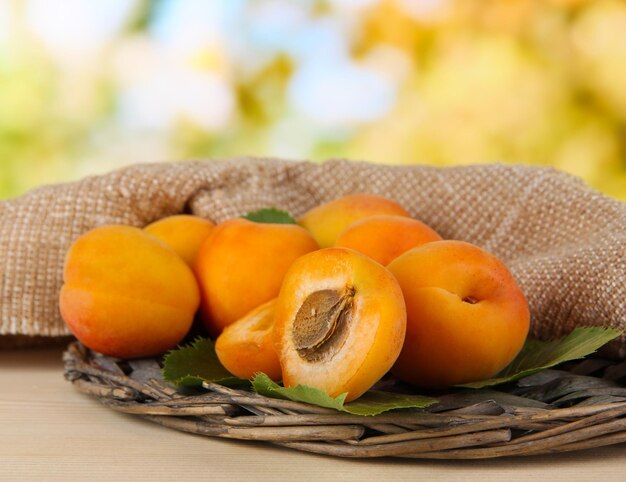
<point>49,431</point>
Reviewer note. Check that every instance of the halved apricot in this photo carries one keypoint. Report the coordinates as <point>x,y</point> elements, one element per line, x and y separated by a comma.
<point>246,346</point>
<point>340,322</point>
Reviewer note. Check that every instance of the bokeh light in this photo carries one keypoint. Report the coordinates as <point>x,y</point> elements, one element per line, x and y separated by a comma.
<point>86,87</point>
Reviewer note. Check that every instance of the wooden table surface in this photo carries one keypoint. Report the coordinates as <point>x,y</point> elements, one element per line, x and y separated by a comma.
<point>49,431</point>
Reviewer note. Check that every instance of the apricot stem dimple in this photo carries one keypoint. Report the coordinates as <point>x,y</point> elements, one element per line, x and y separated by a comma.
<point>470,299</point>
<point>320,325</point>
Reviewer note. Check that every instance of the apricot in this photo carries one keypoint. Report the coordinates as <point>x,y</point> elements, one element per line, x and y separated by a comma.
<point>246,346</point>
<point>327,221</point>
<point>466,316</point>
<point>242,265</point>
<point>183,233</point>
<point>126,293</point>
<point>339,323</point>
<point>385,237</point>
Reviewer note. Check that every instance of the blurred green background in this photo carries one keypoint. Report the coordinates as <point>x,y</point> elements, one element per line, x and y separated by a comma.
<point>89,86</point>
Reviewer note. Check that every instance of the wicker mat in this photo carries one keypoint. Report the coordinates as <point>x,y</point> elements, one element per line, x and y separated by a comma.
<point>580,406</point>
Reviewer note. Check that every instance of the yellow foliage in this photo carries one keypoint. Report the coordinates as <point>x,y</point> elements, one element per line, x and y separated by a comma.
<point>395,81</point>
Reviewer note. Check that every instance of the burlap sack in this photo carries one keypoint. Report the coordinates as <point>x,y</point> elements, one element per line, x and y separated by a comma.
<point>565,243</point>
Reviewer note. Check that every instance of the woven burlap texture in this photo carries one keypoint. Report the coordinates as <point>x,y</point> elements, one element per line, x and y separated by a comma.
<point>564,242</point>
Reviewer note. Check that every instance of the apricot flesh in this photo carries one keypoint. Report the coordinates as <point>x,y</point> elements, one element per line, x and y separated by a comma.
<point>246,346</point>
<point>242,265</point>
<point>126,293</point>
<point>326,221</point>
<point>340,322</point>
<point>466,316</point>
<point>183,233</point>
<point>385,237</point>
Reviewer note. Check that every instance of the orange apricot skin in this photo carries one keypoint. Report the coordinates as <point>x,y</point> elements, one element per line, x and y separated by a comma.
<point>327,221</point>
<point>246,346</point>
<point>183,233</point>
<point>385,237</point>
<point>466,316</point>
<point>242,265</point>
<point>373,346</point>
<point>126,293</point>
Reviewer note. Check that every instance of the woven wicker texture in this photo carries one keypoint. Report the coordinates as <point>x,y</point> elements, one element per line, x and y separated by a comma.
<point>579,406</point>
<point>565,243</point>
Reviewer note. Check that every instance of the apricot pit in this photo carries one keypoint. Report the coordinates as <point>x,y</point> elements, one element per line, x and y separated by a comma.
<point>321,324</point>
<point>340,322</point>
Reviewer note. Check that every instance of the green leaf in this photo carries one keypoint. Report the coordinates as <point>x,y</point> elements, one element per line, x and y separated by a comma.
<point>370,403</point>
<point>190,365</point>
<point>270,215</point>
<point>374,402</point>
<point>538,355</point>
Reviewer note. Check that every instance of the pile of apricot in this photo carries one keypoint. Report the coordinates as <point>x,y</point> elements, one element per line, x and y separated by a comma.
<point>353,290</point>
